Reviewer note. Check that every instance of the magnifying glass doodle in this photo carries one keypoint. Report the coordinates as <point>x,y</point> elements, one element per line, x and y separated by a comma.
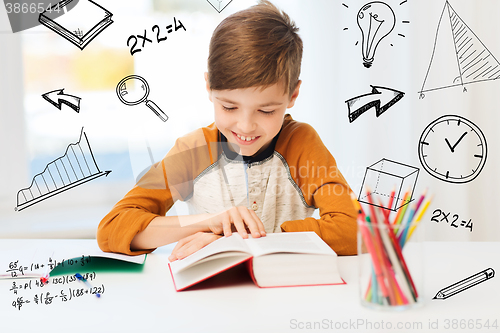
<point>133,90</point>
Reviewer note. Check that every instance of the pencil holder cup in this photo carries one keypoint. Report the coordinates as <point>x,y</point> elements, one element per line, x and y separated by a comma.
<point>391,267</point>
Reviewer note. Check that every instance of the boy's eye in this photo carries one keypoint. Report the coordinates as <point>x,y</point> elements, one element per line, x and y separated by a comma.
<point>228,108</point>
<point>267,112</point>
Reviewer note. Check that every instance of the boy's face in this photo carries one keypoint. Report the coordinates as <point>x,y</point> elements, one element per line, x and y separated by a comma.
<point>251,117</point>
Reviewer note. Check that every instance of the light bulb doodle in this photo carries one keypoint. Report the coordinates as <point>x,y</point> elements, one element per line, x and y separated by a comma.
<point>376,20</point>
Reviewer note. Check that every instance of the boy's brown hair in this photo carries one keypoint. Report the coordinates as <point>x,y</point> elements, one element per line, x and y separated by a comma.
<point>258,46</point>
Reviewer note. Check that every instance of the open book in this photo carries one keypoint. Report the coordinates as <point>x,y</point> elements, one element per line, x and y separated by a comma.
<point>276,260</point>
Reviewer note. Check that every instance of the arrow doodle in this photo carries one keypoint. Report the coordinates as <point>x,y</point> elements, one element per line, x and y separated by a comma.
<point>58,97</point>
<point>381,98</point>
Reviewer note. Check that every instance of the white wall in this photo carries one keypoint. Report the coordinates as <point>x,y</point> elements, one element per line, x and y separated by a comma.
<point>332,73</point>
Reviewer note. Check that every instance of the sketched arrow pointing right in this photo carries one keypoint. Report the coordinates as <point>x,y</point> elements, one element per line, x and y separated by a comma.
<point>381,98</point>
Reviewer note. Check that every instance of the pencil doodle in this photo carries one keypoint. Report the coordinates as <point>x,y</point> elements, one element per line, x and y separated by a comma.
<point>75,167</point>
<point>156,28</point>
<point>219,5</point>
<point>80,25</point>
<point>376,20</point>
<point>458,163</point>
<point>466,283</point>
<point>458,56</point>
<point>386,180</point>
<point>438,212</point>
<point>133,90</point>
<point>380,98</point>
<point>58,97</point>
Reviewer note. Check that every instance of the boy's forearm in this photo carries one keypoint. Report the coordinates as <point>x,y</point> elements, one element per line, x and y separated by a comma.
<point>164,230</point>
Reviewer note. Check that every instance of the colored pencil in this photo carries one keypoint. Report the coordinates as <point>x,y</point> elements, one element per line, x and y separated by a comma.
<point>375,260</point>
<point>401,261</point>
<point>415,223</point>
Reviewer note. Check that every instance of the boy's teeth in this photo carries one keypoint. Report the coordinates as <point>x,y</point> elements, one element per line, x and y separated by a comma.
<point>247,138</point>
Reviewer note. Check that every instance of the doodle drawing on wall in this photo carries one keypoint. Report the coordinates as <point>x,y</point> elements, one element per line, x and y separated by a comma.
<point>452,149</point>
<point>466,283</point>
<point>458,56</point>
<point>388,184</point>
<point>75,167</point>
<point>78,21</point>
<point>133,90</point>
<point>219,5</point>
<point>376,20</point>
<point>58,98</point>
<point>380,98</point>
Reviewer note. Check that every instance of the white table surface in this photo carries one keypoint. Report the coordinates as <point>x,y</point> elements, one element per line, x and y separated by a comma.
<point>147,301</point>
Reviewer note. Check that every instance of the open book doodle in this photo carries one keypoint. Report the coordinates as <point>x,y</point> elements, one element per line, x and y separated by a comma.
<point>276,260</point>
<point>78,21</point>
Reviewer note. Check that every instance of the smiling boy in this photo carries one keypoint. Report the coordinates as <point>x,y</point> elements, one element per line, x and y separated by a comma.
<point>254,169</point>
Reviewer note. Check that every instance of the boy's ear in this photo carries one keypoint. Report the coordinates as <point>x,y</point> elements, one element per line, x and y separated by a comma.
<point>294,95</point>
<point>208,87</point>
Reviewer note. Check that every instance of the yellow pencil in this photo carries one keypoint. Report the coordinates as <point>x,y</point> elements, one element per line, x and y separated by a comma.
<point>401,212</point>
<point>417,220</point>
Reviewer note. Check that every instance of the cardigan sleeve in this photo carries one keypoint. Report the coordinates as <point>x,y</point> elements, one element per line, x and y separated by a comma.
<point>156,191</point>
<point>323,187</point>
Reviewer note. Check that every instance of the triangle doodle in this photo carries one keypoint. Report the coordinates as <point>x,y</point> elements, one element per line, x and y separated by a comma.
<point>459,57</point>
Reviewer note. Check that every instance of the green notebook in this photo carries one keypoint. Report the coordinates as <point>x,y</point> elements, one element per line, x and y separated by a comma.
<point>105,262</point>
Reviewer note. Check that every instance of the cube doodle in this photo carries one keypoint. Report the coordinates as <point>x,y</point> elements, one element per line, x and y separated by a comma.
<point>386,182</point>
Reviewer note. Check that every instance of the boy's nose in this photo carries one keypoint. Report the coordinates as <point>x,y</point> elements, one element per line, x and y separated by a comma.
<point>247,125</point>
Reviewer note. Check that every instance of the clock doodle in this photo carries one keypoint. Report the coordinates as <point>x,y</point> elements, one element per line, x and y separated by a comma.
<point>452,149</point>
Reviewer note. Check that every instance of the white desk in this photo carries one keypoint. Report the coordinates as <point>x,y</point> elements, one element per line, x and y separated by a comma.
<point>139,302</point>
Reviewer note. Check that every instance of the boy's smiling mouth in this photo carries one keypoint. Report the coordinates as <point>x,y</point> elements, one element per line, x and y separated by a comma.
<point>245,140</point>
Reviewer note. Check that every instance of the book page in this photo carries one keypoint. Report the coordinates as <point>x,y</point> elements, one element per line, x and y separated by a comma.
<point>233,243</point>
<point>289,242</point>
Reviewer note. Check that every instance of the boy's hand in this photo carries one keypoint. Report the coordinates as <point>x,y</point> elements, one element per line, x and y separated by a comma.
<point>191,244</point>
<point>241,218</point>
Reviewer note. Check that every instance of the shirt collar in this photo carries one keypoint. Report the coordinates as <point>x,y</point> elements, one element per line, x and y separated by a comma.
<point>232,155</point>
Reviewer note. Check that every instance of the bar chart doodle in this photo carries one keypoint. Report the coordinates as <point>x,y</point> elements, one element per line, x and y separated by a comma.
<point>458,56</point>
<point>58,98</point>
<point>77,166</point>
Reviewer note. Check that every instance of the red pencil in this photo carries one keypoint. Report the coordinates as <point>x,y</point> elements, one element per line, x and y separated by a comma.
<point>365,232</point>
<point>383,256</point>
<point>402,261</point>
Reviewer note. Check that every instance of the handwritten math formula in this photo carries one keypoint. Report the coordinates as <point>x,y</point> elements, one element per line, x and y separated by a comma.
<point>30,279</point>
<point>64,295</point>
<point>439,215</point>
<point>17,269</point>
<point>133,40</point>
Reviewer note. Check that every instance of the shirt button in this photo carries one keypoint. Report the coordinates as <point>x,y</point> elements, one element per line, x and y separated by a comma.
<point>255,206</point>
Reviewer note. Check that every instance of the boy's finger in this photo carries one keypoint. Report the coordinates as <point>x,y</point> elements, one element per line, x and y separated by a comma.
<point>238,223</point>
<point>226,225</point>
<point>260,225</point>
<point>179,246</point>
<point>195,245</point>
<point>251,222</point>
